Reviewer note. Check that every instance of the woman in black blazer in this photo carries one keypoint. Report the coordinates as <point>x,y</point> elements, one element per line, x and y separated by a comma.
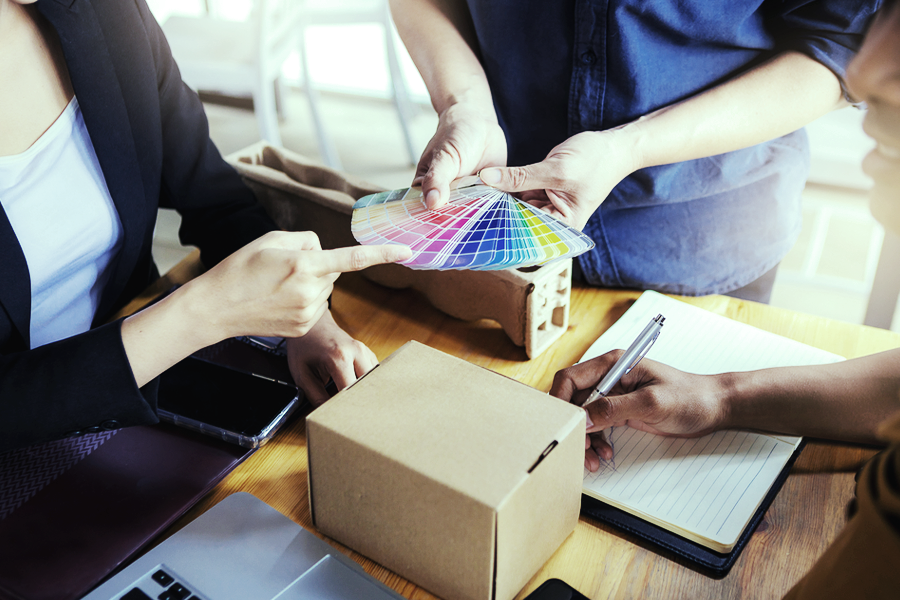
<point>151,140</point>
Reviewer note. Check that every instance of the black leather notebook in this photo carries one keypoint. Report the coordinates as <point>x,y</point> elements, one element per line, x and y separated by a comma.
<point>704,496</point>
<point>698,557</point>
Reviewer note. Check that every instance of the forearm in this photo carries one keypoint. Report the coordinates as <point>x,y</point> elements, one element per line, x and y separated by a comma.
<point>166,332</point>
<point>844,401</point>
<point>277,285</point>
<point>440,39</point>
<point>769,101</point>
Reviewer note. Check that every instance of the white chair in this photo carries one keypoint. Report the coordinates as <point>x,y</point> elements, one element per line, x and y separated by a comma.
<point>238,57</point>
<point>886,284</point>
<point>838,145</point>
<point>352,12</point>
<point>245,58</point>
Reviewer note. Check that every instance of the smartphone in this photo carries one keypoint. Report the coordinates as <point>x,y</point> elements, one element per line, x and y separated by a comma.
<point>556,589</point>
<point>235,406</point>
<point>273,345</point>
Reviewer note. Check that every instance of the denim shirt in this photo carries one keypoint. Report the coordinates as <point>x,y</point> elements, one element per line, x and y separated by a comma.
<point>711,225</point>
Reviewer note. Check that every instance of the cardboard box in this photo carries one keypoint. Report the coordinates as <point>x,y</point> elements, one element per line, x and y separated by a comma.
<point>532,305</point>
<point>459,479</point>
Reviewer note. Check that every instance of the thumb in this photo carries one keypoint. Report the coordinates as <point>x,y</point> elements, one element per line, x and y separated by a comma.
<point>609,411</point>
<point>539,176</point>
<point>310,383</point>
<point>436,181</point>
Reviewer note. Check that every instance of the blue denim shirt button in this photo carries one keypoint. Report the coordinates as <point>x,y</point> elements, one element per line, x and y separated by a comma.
<point>588,58</point>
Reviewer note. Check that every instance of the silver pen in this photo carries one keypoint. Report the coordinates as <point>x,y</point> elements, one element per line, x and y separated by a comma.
<point>636,351</point>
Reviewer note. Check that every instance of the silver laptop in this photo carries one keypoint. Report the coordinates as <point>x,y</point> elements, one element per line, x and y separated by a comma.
<point>242,548</point>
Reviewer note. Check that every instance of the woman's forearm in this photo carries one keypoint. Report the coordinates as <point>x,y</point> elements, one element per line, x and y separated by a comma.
<point>166,332</point>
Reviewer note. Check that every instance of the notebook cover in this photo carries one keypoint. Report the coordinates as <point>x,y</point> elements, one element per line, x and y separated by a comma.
<point>698,557</point>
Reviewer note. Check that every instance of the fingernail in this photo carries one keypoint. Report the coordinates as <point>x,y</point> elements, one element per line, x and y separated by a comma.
<point>432,198</point>
<point>588,421</point>
<point>490,176</point>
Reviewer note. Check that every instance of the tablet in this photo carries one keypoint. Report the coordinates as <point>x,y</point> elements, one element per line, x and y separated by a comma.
<point>235,406</point>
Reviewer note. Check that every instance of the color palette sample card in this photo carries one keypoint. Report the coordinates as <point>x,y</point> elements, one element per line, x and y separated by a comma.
<point>480,228</point>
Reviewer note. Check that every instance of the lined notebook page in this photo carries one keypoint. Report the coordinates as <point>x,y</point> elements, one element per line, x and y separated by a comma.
<point>706,489</point>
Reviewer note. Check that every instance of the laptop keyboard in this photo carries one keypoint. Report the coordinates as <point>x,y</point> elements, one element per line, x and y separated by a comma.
<point>161,584</point>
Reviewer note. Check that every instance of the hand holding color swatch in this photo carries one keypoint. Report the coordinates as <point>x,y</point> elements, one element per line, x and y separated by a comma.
<point>480,228</point>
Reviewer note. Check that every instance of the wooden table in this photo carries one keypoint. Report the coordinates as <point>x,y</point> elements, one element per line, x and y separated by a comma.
<point>598,560</point>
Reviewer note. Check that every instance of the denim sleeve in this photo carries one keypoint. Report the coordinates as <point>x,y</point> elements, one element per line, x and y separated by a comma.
<point>828,31</point>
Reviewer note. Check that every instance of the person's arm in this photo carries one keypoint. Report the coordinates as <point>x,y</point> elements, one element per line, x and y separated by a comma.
<point>275,286</point>
<point>844,401</point>
<point>441,41</point>
<point>766,102</point>
<point>220,214</point>
<point>104,378</point>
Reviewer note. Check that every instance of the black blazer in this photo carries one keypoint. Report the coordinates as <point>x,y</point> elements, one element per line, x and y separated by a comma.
<point>151,137</point>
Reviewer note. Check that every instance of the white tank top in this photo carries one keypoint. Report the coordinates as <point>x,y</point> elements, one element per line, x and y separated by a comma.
<point>57,202</point>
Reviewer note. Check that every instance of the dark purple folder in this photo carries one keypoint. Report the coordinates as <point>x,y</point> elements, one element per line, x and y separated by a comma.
<point>73,510</point>
<point>102,507</point>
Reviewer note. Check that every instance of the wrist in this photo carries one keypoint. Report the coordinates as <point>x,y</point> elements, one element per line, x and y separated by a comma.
<point>735,392</point>
<point>320,327</point>
<point>192,316</point>
<point>157,337</point>
<point>468,102</point>
<point>631,141</point>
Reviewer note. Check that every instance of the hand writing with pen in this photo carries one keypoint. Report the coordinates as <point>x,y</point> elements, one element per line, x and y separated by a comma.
<point>652,397</point>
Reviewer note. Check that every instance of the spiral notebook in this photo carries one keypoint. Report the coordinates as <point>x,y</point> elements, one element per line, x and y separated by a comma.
<point>701,497</point>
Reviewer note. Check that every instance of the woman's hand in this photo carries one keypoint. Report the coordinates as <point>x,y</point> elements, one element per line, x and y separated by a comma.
<point>275,286</point>
<point>575,178</point>
<point>653,397</point>
<point>279,284</point>
<point>327,352</point>
<point>466,141</point>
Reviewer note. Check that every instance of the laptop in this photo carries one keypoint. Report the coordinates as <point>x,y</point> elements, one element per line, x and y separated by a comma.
<point>242,548</point>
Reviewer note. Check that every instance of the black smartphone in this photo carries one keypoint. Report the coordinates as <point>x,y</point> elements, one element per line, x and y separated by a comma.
<point>555,589</point>
<point>232,405</point>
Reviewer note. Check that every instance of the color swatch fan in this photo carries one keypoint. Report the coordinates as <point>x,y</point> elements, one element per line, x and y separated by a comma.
<point>480,228</point>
